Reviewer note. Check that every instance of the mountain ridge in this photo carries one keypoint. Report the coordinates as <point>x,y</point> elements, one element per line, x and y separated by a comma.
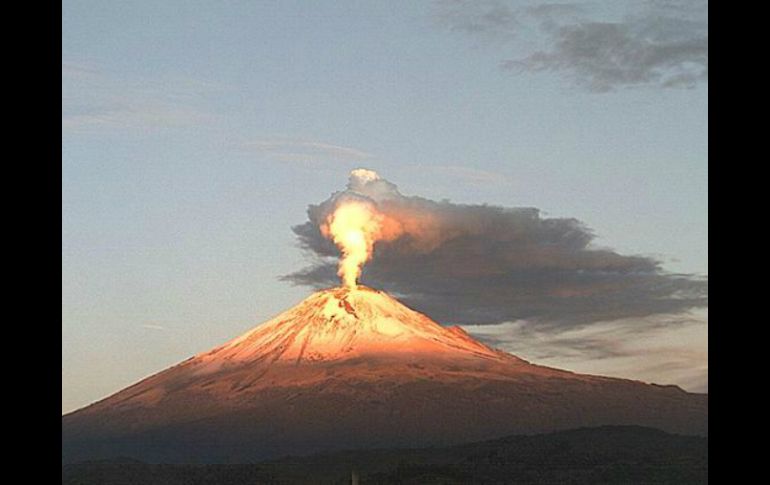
<point>355,366</point>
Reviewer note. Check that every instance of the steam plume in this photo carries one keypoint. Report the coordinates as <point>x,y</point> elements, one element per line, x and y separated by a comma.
<point>354,225</point>
<point>481,264</point>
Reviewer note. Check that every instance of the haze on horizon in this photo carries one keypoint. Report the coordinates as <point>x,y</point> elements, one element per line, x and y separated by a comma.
<point>195,135</point>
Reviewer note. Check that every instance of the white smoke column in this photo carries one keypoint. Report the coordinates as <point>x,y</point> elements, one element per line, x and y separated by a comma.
<point>356,224</point>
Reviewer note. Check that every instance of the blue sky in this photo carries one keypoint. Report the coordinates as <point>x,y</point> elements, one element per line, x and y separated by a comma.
<point>195,134</point>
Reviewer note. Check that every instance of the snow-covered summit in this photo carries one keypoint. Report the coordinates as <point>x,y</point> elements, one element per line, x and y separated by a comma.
<point>342,323</point>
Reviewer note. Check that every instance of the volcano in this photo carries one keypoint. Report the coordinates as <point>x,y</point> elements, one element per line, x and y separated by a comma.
<point>352,369</point>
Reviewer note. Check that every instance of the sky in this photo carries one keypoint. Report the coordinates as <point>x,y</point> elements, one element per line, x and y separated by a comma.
<point>195,135</point>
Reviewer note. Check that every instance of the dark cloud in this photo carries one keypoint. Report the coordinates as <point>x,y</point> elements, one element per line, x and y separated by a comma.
<point>667,348</point>
<point>603,56</point>
<point>480,264</point>
<point>654,43</point>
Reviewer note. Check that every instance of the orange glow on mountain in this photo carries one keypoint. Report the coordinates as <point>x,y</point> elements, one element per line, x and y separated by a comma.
<point>338,324</point>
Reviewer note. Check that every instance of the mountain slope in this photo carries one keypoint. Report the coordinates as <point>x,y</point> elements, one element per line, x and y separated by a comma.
<point>349,369</point>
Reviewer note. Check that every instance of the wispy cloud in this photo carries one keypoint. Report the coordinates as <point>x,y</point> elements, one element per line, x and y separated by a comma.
<point>304,151</point>
<point>653,43</point>
<point>490,19</point>
<point>153,327</point>
<point>93,100</point>
<point>71,69</point>
<point>665,349</point>
<point>468,175</point>
<point>499,20</point>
